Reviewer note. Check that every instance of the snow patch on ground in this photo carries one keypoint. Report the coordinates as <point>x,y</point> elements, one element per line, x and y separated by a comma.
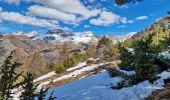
<point>165,55</point>
<point>45,76</point>
<point>78,72</point>
<point>77,66</point>
<point>126,72</point>
<point>165,75</point>
<point>98,87</point>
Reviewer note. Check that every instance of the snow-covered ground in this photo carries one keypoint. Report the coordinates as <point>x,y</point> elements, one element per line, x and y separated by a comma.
<point>165,55</point>
<point>77,66</point>
<point>126,72</point>
<point>78,72</point>
<point>70,75</point>
<point>45,76</point>
<point>97,87</point>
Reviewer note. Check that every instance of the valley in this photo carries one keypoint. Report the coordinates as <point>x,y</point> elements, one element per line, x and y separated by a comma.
<point>84,50</point>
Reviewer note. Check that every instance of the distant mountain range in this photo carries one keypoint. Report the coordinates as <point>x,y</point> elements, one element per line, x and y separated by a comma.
<point>120,38</point>
<point>32,34</point>
<point>57,36</point>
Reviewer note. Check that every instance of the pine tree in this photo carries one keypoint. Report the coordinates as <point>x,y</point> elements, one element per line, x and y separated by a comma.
<point>166,43</point>
<point>105,49</point>
<point>41,95</point>
<point>104,41</point>
<point>144,57</point>
<point>30,90</point>
<point>126,58</point>
<point>8,77</point>
<point>51,97</point>
<point>28,87</point>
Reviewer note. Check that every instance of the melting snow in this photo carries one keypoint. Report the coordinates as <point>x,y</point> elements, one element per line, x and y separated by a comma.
<point>45,76</point>
<point>98,87</point>
<point>77,66</point>
<point>78,72</point>
<point>126,72</point>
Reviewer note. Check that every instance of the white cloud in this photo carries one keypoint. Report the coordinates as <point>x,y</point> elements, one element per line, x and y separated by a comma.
<point>141,18</point>
<point>21,19</point>
<point>70,6</point>
<point>107,18</point>
<point>47,12</point>
<point>67,11</point>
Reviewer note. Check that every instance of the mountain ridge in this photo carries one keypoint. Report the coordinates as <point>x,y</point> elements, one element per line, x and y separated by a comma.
<point>61,36</point>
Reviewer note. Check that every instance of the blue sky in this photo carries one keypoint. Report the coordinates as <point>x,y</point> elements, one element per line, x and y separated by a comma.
<point>99,16</point>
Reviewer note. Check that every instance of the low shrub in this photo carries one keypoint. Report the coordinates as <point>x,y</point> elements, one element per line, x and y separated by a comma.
<point>66,63</point>
<point>119,85</point>
<point>55,67</point>
<point>114,72</point>
<point>126,58</point>
<point>90,61</point>
<point>59,68</point>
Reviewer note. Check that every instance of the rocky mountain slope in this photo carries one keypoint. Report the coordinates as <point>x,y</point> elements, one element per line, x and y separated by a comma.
<point>162,23</point>
<point>26,51</point>
<point>33,54</point>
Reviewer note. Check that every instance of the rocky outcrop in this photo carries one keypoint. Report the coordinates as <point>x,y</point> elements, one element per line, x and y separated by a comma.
<point>26,51</point>
<point>33,54</point>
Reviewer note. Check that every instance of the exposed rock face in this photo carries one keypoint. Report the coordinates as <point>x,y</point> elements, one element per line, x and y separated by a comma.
<point>33,54</point>
<point>27,52</point>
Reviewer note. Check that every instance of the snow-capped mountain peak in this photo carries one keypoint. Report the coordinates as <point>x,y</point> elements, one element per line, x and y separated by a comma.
<point>63,36</point>
<point>29,34</point>
<point>121,38</point>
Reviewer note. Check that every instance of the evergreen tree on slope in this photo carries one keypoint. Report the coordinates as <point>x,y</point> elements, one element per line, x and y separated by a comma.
<point>144,57</point>
<point>8,77</point>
